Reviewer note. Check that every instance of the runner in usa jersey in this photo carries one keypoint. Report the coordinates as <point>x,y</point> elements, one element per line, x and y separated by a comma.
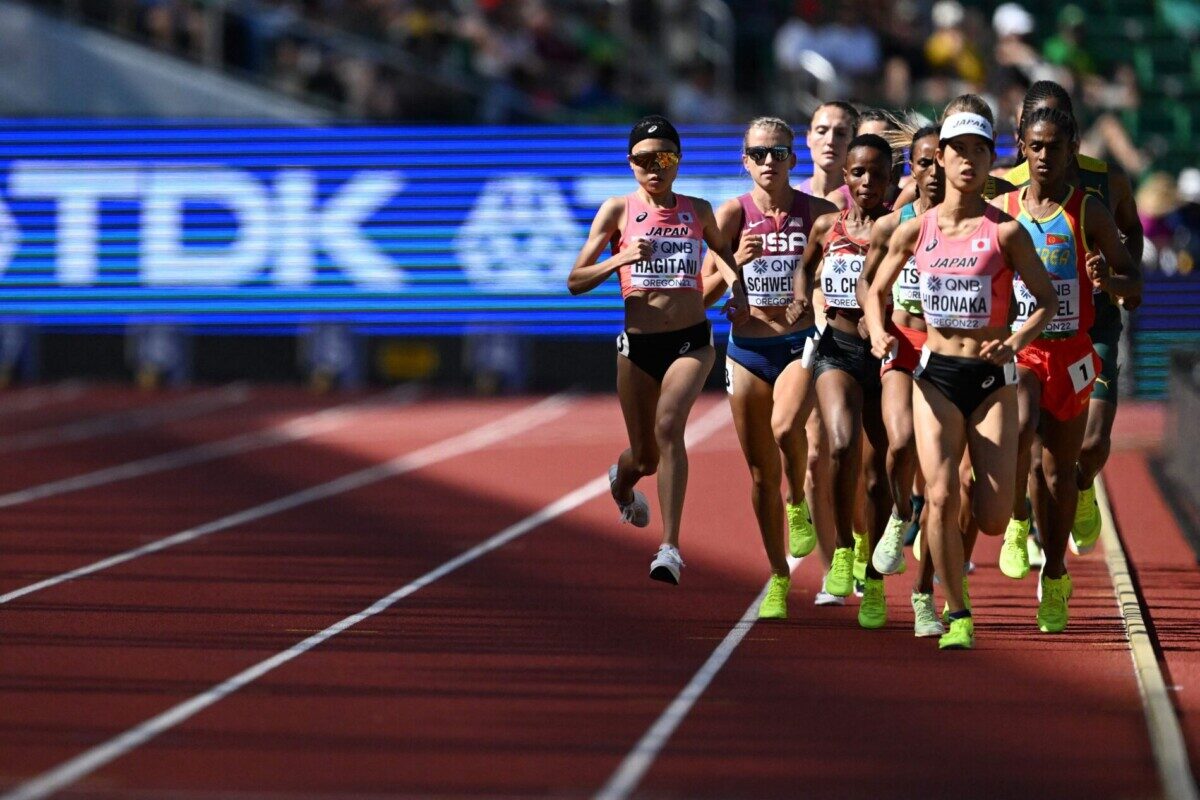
<point>1115,191</point>
<point>665,352</point>
<point>846,376</point>
<point>1057,370</point>
<point>964,397</point>
<point>766,374</point>
<point>907,325</point>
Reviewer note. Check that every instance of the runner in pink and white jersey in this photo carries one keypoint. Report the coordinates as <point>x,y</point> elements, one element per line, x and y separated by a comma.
<point>965,394</point>
<point>665,353</point>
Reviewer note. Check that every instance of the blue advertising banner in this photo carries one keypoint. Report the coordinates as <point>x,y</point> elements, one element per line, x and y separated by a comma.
<point>404,229</point>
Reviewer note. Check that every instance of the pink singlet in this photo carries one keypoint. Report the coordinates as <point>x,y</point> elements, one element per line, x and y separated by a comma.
<point>769,278</point>
<point>807,187</point>
<point>965,283</point>
<point>677,237</point>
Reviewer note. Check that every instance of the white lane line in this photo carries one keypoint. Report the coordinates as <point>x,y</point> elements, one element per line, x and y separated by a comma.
<point>91,760</point>
<point>125,421</point>
<point>41,396</point>
<point>284,433</point>
<point>635,765</point>
<point>1166,737</point>
<point>475,439</point>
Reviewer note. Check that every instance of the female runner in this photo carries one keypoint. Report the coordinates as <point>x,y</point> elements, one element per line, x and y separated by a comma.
<point>845,374</point>
<point>1056,371</point>
<point>665,352</point>
<point>965,394</point>
<point>768,382</point>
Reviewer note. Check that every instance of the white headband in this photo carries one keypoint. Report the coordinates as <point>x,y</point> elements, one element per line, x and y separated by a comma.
<point>966,124</point>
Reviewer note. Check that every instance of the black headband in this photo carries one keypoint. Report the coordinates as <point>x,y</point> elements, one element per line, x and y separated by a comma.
<point>654,127</point>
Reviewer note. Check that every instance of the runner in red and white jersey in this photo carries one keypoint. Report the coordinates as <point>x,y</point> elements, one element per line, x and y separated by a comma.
<point>665,353</point>
<point>965,395</point>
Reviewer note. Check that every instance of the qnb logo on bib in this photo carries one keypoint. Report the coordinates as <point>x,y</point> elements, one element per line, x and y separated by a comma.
<point>1067,318</point>
<point>839,279</point>
<point>674,264</point>
<point>952,301</point>
<point>769,280</point>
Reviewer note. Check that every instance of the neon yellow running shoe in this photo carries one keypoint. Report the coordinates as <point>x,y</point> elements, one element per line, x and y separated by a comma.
<point>802,536</point>
<point>961,635</point>
<point>872,612</point>
<point>840,580</point>
<point>1086,529</point>
<point>862,554</point>
<point>774,605</point>
<point>1014,556</point>
<point>1052,613</point>
<point>966,603</point>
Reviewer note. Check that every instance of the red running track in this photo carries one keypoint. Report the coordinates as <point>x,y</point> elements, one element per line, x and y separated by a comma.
<point>532,670</point>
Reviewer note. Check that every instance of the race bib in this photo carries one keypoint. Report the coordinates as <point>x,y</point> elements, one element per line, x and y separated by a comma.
<point>674,264</point>
<point>908,285</point>
<point>768,280</point>
<point>839,279</point>
<point>956,301</point>
<point>1067,319</point>
<point>1083,373</point>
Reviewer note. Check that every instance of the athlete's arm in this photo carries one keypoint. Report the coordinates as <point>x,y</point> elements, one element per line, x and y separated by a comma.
<point>1124,212</point>
<point>881,232</point>
<point>806,272</point>
<point>587,274</point>
<point>908,194</point>
<point>729,220</point>
<point>1113,270</point>
<point>898,247</point>
<point>837,198</point>
<point>1020,253</point>
<point>737,309</point>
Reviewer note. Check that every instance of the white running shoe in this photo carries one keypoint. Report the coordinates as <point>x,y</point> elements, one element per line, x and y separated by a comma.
<point>824,598</point>
<point>637,511</point>
<point>925,621</point>
<point>666,564</point>
<point>1036,557</point>
<point>888,558</point>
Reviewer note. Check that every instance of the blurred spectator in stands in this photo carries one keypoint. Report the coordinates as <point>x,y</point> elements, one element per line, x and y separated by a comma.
<point>503,55</point>
<point>948,50</point>
<point>1014,27</point>
<point>1157,202</point>
<point>1187,231</point>
<point>1066,48</point>
<point>696,99</point>
<point>902,50</point>
<point>849,43</point>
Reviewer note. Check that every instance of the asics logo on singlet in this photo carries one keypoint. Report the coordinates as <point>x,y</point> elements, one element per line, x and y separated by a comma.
<point>686,346</point>
<point>929,247</point>
<point>652,129</point>
<point>641,217</point>
<point>988,381</point>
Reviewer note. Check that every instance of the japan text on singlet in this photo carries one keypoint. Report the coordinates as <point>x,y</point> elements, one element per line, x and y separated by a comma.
<point>769,278</point>
<point>841,268</point>
<point>1062,246</point>
<point>677,238</point>
<point>965,282</point>
<point>906,291</point>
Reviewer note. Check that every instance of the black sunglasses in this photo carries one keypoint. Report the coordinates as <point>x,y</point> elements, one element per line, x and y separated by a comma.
<point>758,155</point>
<point>655,159</point>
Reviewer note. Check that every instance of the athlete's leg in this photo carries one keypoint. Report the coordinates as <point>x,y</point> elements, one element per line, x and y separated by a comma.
<point>1097,441</point>
<point>818,485</point>
<point>680,388</point>
<point>750,401</point>
<point>1060,452</point>
<point>990,433</point>
<point>794,399</point>
<point>941,438</point>
<point>639,394</point>
<point>876,487</point>
<point>1029,395</point>
<point>902,447</point>
<point>840,398</point>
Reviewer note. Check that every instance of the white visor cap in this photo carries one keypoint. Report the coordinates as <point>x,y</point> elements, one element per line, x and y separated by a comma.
<point>966,125</point>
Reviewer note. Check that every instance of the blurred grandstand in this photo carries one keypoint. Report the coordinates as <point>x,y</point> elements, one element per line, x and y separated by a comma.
<point>1132,66</point>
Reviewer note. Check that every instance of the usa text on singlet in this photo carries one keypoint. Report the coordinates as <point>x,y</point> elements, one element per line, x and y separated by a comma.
<point>677,239</point>
<point>965,282</point>
<point>769,278</point>
<point>1062,246</point>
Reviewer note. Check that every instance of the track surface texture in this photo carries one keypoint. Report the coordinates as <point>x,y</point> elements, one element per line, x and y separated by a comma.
<point>531,667</point>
